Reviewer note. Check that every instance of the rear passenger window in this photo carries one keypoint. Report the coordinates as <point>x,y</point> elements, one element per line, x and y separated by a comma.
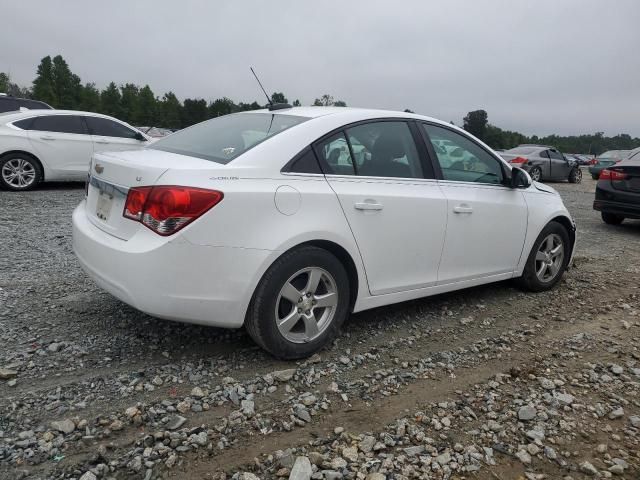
<point>24,124</point>
<point>60,124</point>
<point>335,155</point>
<point>305,163</point>
<point>384,149</point>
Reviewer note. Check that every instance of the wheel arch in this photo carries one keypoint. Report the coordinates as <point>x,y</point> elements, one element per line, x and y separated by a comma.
<point>568,224</point>
<point>28,154</point>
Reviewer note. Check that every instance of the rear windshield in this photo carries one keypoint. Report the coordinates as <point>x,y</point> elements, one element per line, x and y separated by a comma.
<point>224,138</point>
<point>523,150</point>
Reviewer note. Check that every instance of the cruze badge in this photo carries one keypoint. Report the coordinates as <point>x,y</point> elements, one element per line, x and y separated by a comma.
<point>98,168</point>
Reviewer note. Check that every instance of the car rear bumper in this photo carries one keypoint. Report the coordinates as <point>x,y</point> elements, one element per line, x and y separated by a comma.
<point>173,278</point>
<point>619,202</point>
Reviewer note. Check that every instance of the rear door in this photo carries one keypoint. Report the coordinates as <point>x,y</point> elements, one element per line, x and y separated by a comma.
<point>486,220</point>
<point>63,143</point>
<point>109,135</point>
<point>393,204</point>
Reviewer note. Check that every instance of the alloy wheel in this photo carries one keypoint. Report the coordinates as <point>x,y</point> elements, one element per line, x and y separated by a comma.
<point>549,258</point>
<point>19,173</point>
<point>536,175</point>
<point>306,305</point>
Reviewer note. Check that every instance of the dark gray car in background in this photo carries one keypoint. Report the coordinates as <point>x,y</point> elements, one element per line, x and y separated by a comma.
<point>544,162</point>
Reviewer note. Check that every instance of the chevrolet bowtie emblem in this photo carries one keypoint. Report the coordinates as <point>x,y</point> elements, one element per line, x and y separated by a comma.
<point>98,168</point>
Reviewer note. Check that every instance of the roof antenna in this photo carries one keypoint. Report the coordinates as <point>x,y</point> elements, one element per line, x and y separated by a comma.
<point>272,106</point>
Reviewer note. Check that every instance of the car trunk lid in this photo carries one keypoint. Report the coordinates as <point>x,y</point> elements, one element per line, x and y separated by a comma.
<point>628,179</point>
<point>111,176</point>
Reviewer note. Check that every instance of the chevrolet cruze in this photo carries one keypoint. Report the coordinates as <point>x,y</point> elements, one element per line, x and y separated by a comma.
<point>287,220</point>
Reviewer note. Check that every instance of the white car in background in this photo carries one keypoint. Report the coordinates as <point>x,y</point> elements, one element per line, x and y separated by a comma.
<point>286,221</point>
<point>57,145</point>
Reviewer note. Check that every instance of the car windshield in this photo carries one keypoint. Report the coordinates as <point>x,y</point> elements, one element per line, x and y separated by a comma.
<point>523,150</point>
<point>225,138</point>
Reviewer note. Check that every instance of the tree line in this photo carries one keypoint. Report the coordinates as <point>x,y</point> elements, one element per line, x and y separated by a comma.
<point>477,123</point>
<point>58,86</point>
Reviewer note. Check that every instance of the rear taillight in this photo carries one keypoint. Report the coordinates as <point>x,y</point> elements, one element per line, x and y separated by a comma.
<point>518,160</point>
<point>612,175</point>
<point>167,209</point>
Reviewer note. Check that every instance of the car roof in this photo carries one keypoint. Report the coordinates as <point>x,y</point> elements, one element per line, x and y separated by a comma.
<point>17,115</point>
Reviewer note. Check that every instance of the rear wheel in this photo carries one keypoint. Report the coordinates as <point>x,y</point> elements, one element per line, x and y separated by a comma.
<point>611,218</point>
<point>300,303</point>
<point>19,172</point>
<point>575,176</point>
<point>535,174</point>
<point>548,259</point>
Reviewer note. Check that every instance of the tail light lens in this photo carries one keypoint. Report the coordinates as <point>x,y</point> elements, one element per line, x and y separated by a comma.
<point>612,175</point>
<point>167,209</point>
<point>518,161</point>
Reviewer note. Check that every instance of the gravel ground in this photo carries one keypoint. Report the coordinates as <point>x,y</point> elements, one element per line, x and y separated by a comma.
<point>486,383</point>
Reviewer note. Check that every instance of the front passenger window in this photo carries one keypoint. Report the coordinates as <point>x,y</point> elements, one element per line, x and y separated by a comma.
<point>461,159</point>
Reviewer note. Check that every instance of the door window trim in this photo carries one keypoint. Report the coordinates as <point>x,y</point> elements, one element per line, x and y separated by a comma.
<point>506,173</point>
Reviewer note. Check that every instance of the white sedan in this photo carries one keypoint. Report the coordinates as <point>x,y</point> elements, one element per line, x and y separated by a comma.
<point>285,221</point>
<point>57,145</point>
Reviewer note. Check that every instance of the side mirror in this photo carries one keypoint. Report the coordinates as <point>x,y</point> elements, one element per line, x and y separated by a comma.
<point>520,178</point>
<point>140,137</point>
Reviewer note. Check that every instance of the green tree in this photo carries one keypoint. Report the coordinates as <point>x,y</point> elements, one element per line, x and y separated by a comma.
<point>170,111</point>
<point>129,102</point>
<point>147,113</point>
<point>339,103</point>
<point>90,98</point>
<point>67,87</point>
<point>476,123</point>
<point>221,106</point>
<point>4,82</point>
<point>43,89</point>
<point>194,111</point>
<point>296,103</point>
<point>110,101</point>
<point>278,97</point>
<point>409,111</point>
<point>324,101</point>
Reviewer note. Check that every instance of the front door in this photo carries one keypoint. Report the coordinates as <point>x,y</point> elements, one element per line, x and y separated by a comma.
<point>486,221</point>
<point>397,216</point>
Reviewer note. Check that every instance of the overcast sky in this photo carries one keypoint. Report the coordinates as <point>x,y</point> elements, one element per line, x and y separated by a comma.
<point>539,67</point>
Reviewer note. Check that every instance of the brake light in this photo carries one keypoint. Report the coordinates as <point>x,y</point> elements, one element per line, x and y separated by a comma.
<point>167,209</point>
<point>612,175</point>
<point>519,160</point>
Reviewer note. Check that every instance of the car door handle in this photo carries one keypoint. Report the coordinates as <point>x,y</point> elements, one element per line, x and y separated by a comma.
<point>368,206</point>
<point>47,137</point>
<point>463,209</point>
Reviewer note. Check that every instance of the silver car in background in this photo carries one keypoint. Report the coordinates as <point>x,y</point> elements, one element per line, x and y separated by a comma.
<point>544,163</point>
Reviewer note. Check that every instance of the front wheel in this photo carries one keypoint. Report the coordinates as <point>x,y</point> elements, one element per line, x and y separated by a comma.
<point>19,172</point>
<point>575,176</point>
<point>611,218</point>
<point>548,259</point>
<point>300,303</point>
<point>535,174</point>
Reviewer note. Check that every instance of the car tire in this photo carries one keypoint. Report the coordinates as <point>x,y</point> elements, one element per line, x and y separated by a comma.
<point>611,218</point>
<point>19,172</point>
<point>594,176</point>
<point>534,276</point>
<point>536,174</point>
<point>575,176</point>
<point>284,325</point>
